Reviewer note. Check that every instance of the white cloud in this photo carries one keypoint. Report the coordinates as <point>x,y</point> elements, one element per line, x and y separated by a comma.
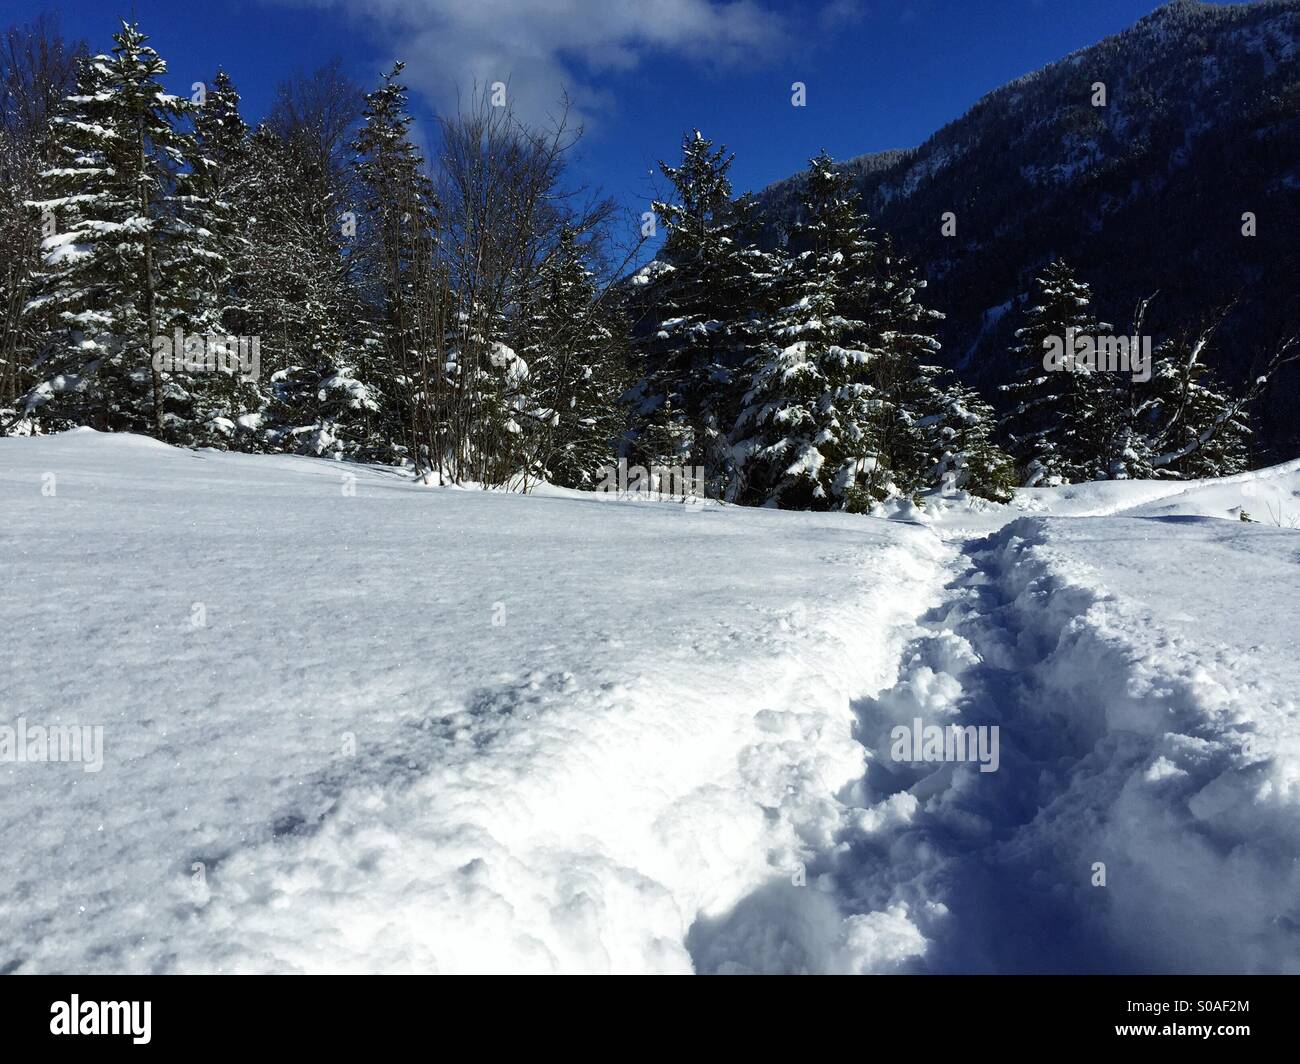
<point>836,14</point>
<point>543,48</point>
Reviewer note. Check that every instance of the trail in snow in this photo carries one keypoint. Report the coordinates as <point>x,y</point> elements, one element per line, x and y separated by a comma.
<point>1130,739</point>
<point>673,753</point>
<point>942,839</point>
<point>921,842</point>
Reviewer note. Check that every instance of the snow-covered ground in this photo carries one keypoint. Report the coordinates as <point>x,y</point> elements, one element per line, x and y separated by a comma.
<point>351,723</point>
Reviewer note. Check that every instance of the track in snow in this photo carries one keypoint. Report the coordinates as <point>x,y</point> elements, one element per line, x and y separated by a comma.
<point>1110,755</point>
<point>658,765</point>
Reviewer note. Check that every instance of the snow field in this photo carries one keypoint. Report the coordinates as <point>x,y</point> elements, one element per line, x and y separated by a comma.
<point>356,724</point>
<point>657,729</point>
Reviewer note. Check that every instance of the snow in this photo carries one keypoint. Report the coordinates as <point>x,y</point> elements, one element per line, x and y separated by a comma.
<point>657,729</point>
<point>651,272</point>
<point>1137,646</point>
<point>351,723</point>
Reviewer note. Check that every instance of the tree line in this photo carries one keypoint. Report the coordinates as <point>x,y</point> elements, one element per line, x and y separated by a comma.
<point>464,316</point>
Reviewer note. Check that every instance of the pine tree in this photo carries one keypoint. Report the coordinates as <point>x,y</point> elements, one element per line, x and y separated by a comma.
<point>807,433</point>
<point>905,379</point>
<point>398,220</point>
<point>706,301</point>
<point>209,250</point>
<point>38,68</point>
<point>574,348</point>
<point>102,296</point>
<point>274,278</point>
<point>220,179</point>
<point>846,415</point>
<point>1182,423</point>
<point>965,455</point>
<point>317,344</point>
<point>1062,420</point>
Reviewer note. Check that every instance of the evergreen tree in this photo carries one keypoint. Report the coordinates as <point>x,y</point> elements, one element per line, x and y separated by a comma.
<point>317,344</point>
<point>38,68</point>
<point>1062,420</point>
<point>102,295</point>
<point>1182,423</point>
<point>220,180</point>
<point>575,352</point>
<point>208,269</point>
<point>965,455</point>
<point>398,219</point>
<point>905,379</point>
<point>706,302</point>
<point>807,434</point>
<point>846,414</point>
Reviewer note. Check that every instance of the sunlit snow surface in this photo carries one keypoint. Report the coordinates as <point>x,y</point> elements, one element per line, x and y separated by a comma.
<point>356,724</point>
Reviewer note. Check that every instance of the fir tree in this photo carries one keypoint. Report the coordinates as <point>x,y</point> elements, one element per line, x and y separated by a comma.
<point>102,295</point>
<point>965,455</point>
<point>845,415</point>
<point>1062,420</point>
<point>220,180</point>
<point>1182,423</point>
<point>807,433</point>
<point>38,68</point>
<point>398,219</point>
<point>208,267</point>
<point>904,376</point>
<point>574,348</point>
<point>317,345</point>
<point>707,300</point>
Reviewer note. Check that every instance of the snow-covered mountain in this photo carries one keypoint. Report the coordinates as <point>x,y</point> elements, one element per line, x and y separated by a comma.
<point>1146,193</point>
<point>352,723</point>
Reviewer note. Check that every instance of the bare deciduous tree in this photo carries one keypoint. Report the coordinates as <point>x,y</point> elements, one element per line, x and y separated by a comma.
<point>37,69</point>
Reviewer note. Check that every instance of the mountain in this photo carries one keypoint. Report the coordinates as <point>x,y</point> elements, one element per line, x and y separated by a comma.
<point>1201,124</point>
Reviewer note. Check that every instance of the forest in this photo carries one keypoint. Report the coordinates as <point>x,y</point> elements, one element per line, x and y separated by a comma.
<point>480,316</point>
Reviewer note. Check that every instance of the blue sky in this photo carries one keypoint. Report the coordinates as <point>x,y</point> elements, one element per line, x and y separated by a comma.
<point>879,74</point>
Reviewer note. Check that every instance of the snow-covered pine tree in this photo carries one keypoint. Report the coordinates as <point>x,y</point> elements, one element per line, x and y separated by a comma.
<point>965,455</point>
<point>1061,422</point>
<point>806,436</point>
<point>1183,423</point>
<point>397,222</point>
<point>805,433</point>
<point>205,259</point>
<point>101,297</point>
<point>221,177</point>
<point>575,348</point>
<point>869,346</point>
<point>274,278</point>
<point>907,383</point>
<point>20,236</point>
<point>706,299</point>
<point>316,340</point>
<point>38,68</point>
<point>73,339</point>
